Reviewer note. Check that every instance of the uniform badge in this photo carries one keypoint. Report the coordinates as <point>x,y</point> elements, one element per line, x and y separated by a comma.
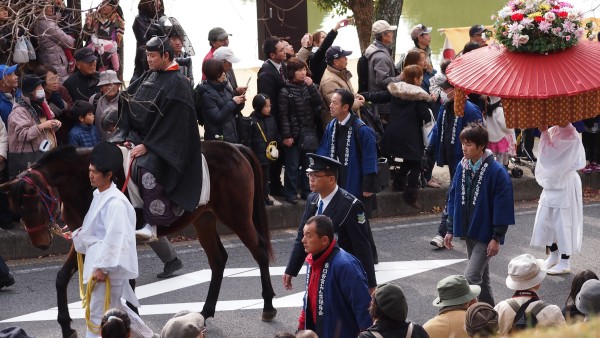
<point>361,218</point>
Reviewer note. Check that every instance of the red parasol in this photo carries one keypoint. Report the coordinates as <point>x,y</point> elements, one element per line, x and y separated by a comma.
<point>537,89</point>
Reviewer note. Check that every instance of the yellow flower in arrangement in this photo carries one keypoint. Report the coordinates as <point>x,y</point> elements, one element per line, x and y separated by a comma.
<point>534,15</point>
<point>544,7</point>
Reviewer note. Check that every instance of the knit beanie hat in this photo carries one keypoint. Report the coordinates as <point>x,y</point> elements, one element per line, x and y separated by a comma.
<point>481,319</point>
<point>391,301</point>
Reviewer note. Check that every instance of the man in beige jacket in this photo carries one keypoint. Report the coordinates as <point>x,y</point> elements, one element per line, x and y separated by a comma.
<point>455,297</point>
<point>525,273</point>
<point>336,76</point>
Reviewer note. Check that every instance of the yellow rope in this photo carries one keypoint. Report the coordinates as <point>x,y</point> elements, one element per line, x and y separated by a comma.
<point>86,295</point>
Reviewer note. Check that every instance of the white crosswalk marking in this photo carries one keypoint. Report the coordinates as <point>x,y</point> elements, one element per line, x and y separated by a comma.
<point>385,272</point>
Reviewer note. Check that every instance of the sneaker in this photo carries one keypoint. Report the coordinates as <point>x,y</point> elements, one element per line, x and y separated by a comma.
<point>292,199</point>
<point>563,267</point>
<point>147,233</point>
<point>7,281</point>
<point>170,268</point>
<point>437,241</point>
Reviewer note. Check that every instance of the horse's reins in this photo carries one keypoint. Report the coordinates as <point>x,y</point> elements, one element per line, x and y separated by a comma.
<point>50,201</point>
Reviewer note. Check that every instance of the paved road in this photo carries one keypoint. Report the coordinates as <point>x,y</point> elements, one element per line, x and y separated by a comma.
<point>404,252</point>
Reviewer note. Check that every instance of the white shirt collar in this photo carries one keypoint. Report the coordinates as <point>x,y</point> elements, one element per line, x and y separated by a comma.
<point>277,65</point>
<point>327,198</point>
<point>344,121</point>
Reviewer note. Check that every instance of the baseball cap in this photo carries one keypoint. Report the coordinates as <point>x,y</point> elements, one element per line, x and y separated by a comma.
<point>7,70</point>
<point>85,55</point>
<point>477,29</point>
<point>336,52</point>
<point>381,26</point>
<point>217,33</point>
<point>419,30</point>
<point>225,53</point>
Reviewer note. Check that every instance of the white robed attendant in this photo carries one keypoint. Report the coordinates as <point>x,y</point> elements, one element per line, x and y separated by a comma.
<point>107,240</point>
<point>559,218</point>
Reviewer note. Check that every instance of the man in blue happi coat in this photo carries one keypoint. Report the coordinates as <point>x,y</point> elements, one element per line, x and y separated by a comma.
<point>480,207</point>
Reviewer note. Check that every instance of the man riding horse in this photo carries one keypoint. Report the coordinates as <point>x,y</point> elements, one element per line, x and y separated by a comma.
<point>160,123</point>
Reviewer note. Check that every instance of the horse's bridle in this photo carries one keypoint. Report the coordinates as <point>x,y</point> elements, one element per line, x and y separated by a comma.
<point>50,200</point>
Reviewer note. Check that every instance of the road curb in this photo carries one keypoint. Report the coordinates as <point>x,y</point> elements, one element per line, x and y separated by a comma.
<point>16,243</point>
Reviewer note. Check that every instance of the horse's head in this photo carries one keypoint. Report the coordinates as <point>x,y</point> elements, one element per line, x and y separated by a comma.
<point>37,203</point>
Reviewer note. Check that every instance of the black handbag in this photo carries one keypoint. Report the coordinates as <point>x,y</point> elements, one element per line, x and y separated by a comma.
<point>18,162</point>
<point>308,139</point>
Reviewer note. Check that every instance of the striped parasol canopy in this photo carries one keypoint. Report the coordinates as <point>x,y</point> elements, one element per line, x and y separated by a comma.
<point>536,89</point>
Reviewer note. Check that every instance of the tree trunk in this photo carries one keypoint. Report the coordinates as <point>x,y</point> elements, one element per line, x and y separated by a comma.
<point>363,18</point>
<point>390,11</point>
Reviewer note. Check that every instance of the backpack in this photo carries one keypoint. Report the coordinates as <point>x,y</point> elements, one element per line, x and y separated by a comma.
<point>198,91</point>
<point>524,320</point>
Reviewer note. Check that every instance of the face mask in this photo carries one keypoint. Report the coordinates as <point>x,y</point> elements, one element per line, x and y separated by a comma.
<point>40,94</point>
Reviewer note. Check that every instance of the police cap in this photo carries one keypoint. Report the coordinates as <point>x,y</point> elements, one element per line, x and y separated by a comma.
<point>321,163</point>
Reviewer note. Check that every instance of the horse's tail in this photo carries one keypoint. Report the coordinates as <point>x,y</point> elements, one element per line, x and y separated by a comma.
<point>259,211</point>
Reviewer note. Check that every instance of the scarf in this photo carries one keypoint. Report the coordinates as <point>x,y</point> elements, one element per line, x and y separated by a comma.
<point>316,276</point>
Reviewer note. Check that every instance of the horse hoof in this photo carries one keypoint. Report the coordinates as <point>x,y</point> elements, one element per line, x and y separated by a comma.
<point>268,316</point>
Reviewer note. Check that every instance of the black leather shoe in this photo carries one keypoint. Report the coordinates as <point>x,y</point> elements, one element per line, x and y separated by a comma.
<point>292,199</point>
<point>170,268</point>
<point>7,281</point>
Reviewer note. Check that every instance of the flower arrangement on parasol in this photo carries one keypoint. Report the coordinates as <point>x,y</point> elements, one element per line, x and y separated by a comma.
<point>542,67</point>
<point>538,26</point>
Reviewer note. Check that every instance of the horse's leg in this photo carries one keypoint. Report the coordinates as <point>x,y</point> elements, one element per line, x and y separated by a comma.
<point>63,277</point>
<point>206,228</point>
<point>257,245</point>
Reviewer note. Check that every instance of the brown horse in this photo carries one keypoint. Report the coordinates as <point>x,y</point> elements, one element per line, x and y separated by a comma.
<point>236,199</point>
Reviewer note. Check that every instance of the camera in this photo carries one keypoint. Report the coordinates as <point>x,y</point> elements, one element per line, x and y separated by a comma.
<point>184,62</point>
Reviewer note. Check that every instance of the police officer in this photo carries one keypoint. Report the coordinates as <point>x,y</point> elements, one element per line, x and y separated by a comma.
<point>346,211</point>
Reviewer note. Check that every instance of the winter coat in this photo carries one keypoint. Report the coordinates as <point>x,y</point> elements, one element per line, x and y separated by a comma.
<point>257,142</point>
<point>6,104</point>
<point>449,323</point>
<point>393,330</point>
<point>334,79</point>
<point>549,316</point>
<point>381,70</point>
<point>84,136</point>
<point>23,133</point>
<point>269,82</point>
<point>82,87</point>
<point>220,112</point>
<point>51,43</point>
<point>3,144</point>
<point>317,62</point>
<point>298,105</point>
<point>409,110</point>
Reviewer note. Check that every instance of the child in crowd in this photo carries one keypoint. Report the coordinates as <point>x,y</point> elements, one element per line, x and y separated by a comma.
<point>264,133</point>
<point>591,143</point>
<point>571,313</point>
<point>480,207</point>
<point>84,134</point>
<point>502,139</point>
<point>559,220</point>
<point>106,28</point>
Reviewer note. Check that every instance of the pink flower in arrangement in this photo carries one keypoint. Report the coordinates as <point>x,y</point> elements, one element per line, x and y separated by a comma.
<point>544,26</point>
<point>549,16</point>
<point>568,38</point>
<point>569,27</point>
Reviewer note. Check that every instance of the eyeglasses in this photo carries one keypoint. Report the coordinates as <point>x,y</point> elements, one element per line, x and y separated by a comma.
<point>313,175</point>
<point>52,79</point>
